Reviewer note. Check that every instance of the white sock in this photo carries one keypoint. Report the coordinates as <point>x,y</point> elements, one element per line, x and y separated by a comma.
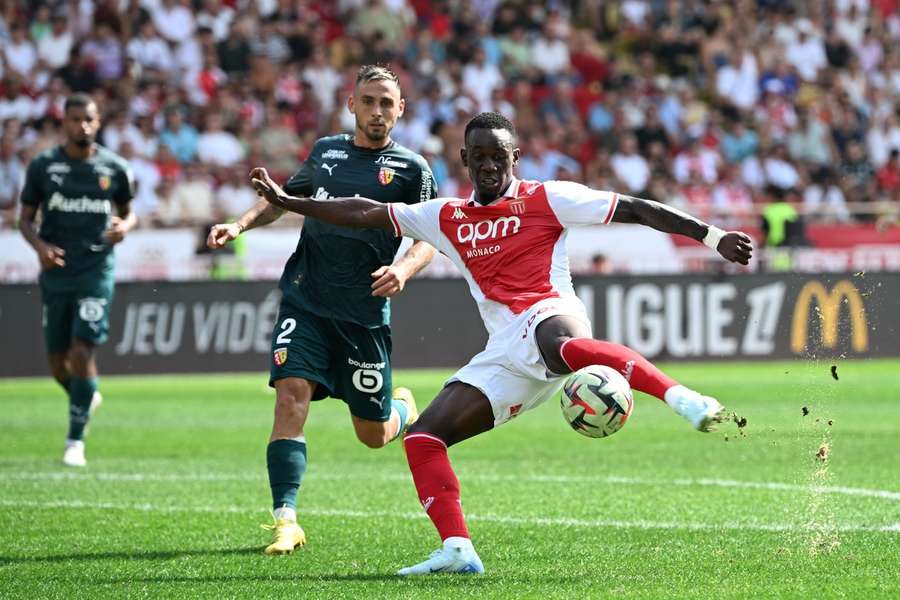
<point>458,542</point>
<point>71,443</point>
<point>285,512</point>
<point>674,394</point>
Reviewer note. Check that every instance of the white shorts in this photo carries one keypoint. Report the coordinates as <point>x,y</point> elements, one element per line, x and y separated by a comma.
<point>510,370</point>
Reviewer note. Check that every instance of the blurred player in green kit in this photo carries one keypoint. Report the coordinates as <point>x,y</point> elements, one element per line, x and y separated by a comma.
<point>83,193</point>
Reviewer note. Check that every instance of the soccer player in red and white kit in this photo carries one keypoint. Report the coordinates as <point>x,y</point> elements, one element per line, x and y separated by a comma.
<point>508,240</point>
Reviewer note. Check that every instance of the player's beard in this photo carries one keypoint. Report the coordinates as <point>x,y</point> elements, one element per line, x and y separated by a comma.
<point>84,142</point>
<point>376,135</point>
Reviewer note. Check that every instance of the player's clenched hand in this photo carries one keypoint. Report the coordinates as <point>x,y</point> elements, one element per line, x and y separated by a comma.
<point>389,280</point>
<point>222,233</point>
<point>265,186</point>
<point>116,231</point>
<point>51,256</point>
<point>736,246</point>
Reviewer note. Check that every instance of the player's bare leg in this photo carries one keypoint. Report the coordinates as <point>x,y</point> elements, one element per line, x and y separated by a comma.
<point>566,345</point>
<point>377,434</point>
<point>59,368</point>
<point>286,461</point>
<point>82,389</point>
<point>459,412</point>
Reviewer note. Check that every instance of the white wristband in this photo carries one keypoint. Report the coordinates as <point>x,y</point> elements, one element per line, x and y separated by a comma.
<point>714,235</point>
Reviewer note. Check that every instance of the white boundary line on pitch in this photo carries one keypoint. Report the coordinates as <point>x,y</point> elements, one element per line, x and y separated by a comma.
<point>406,516</point>
<point>612,479</point>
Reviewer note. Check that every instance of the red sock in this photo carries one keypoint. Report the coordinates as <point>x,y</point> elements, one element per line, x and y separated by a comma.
<point>640,372</point>
<point>436,483</point>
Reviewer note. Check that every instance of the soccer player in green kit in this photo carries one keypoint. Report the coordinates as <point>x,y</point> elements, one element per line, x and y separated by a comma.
<point>332,335</point>
<point>76,187</point>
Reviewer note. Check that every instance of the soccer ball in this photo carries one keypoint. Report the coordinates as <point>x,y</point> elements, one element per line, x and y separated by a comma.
<point>596,401</point>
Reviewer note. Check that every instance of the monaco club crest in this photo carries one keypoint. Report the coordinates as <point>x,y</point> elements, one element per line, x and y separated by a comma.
<point>385,175</point>
<point>280,356</point>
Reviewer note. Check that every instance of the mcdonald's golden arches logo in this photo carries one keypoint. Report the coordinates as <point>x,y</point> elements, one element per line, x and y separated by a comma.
<point>829,311</point>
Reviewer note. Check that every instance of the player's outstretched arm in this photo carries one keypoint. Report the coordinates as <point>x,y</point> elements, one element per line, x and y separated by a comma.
<point>259,215</point>
<point>360,213</point>
<point>735,246</point>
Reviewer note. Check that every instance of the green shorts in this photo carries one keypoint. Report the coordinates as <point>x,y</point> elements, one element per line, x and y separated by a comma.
<point>346,360</point>
<point>82,314</point>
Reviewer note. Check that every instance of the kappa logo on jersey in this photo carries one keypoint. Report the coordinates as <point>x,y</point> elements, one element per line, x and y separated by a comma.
<point>391,162</point>
<point>280,356</point>
<point>329,168</point>
<point>458,214</point>
<point>517,207</point>
<point>105,182</point>
<point>57,179</point>
<point>489,229</point>
<point>335,154</point>
<point>386,175</point>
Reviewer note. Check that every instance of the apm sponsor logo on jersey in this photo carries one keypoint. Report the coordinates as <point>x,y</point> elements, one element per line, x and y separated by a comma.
<point>391,162</point>
<point>100,206</point>
<point>386,175</point>
<point>489,229</point>
<point>333,154</point>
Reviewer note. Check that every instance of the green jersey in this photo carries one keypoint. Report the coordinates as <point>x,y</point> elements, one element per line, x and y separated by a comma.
<point>75,199</point>
<point>330,272</point>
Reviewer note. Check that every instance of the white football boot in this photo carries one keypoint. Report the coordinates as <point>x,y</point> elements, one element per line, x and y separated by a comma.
<point>703,412</point>
<point>456,556</point>
<point>73,456</point>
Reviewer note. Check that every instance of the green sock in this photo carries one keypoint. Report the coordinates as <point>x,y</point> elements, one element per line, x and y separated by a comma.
<point>286,460</point>
<point>403,410</point>
<point>80,393</point>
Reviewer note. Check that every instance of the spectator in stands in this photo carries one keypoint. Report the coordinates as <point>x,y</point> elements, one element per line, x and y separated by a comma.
<point>188,201</point>
<point>779,170</point>
<point>173,19</point>
<point>811,142</point>
<point>54,48</point>
<point>149,50</point>
<point>857,174</point>
<point>823,197</point>
<point>12,176</point>
<point>234,196</point>
<point>20,54</point>
<point>146,179</point>
<point>889,177</point>
<point>698,160</point>
<point>105,51</point>
<point>216,146</point>
<point>630,167</point>
<point>180,137</point>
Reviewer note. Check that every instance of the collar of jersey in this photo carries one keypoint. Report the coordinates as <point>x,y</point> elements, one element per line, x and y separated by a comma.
<point>511,192</point>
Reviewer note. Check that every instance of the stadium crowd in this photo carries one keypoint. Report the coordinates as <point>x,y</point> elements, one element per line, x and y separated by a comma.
<point>719,107</point>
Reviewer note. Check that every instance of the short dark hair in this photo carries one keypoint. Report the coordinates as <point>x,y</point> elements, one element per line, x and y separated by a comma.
<point>79,99</point>
<point>489,120</point>
<point>376,72</point>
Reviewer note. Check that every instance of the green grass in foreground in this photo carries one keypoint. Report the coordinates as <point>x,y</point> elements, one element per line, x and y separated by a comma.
<point>175,490</point>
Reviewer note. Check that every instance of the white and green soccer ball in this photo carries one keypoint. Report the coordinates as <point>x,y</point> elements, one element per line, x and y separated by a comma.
<point>596,401</point>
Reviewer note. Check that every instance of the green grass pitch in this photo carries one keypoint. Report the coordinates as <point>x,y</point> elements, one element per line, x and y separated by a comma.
<point>175,490</point>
